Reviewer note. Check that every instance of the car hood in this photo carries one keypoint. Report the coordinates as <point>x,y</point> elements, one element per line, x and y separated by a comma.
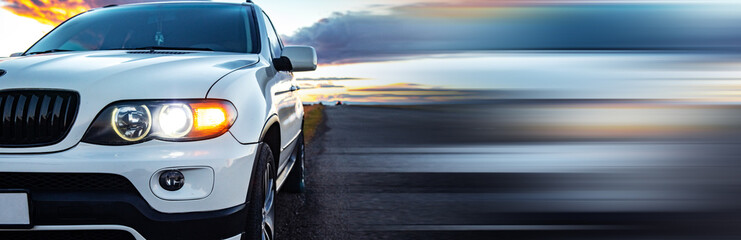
<point>103,77</point>
<point>122,75</point>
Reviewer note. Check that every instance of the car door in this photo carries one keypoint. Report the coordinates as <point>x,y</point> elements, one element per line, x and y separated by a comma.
<point>285,96</point>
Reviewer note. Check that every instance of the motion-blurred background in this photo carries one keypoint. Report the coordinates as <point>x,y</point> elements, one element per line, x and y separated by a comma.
<point>434,51</point>
<point>517,118</point>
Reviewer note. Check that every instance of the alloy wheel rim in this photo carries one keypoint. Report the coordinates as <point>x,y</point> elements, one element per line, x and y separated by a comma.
<point>267,207</point>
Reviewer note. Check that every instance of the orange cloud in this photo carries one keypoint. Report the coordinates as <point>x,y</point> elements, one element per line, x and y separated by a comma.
<point>51,12</point>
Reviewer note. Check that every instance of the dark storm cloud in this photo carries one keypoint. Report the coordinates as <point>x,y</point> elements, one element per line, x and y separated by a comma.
<point>410,31</point>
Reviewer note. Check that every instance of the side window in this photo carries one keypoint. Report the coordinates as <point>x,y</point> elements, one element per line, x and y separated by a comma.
<point>275,45</point>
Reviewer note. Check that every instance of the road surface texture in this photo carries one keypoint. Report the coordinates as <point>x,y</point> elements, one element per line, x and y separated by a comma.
<point>407,173</point>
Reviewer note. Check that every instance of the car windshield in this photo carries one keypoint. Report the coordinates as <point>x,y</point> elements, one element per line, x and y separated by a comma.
<point>207,27</point>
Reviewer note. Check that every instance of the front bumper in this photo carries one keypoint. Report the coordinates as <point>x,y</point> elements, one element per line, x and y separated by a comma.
<point>117,209</point>
<point>214,210</point>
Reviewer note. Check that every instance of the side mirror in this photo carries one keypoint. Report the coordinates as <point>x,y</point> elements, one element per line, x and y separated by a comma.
<point>302,58</point>
<point>18,54</point>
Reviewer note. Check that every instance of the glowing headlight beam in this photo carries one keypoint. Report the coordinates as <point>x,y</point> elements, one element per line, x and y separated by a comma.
<point>175,120</point>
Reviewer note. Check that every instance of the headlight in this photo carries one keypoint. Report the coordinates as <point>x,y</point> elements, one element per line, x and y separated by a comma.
<point>175,120</point>
<point>132,123</point>
<point>139,121</point>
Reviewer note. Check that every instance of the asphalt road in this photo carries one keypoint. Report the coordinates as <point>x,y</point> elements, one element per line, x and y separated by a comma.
<point>382,173</point>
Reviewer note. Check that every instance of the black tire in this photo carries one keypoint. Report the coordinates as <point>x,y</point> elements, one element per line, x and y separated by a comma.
<point>295,182</point>
<point>260,225</point>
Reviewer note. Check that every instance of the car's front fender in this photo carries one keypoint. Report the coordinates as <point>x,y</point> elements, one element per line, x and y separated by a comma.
<point>250,92</point>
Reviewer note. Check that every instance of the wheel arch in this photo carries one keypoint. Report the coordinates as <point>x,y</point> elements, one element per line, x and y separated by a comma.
<point>270,135</point>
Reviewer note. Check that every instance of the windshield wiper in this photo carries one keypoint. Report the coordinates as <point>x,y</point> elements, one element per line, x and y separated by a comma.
<point>49,51</point>
<point>152,48</point>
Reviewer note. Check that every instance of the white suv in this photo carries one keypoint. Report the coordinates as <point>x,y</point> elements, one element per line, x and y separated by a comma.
<point>151,121</point>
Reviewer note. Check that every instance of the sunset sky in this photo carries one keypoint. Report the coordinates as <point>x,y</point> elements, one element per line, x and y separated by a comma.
<point>412,51</point>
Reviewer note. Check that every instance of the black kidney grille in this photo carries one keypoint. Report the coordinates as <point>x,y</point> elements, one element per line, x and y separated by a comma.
<point>31,118</point>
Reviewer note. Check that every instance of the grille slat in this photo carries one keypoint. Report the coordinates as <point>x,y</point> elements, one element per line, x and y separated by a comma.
<point>56,113</point>
<point>60,120</point>
<point>11,118</point>
<point>32,118</point>
<point>20,118</point>
<point>48,123</point>
<point>7,108</point>
<point>65,112</point>
<point>42,115</point>
<point>2,110</point>
<point>32,113</point>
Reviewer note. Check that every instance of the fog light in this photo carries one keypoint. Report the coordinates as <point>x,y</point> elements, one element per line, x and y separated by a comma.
<point>172,180</point>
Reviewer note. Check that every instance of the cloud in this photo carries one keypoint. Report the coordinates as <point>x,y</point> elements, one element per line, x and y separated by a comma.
<point>422,29</point>
<point>53,12</point>
<point>21,32</point>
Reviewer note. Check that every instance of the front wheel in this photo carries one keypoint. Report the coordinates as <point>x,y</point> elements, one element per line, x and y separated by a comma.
<point>295,182</point>
<point>260,208</point>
